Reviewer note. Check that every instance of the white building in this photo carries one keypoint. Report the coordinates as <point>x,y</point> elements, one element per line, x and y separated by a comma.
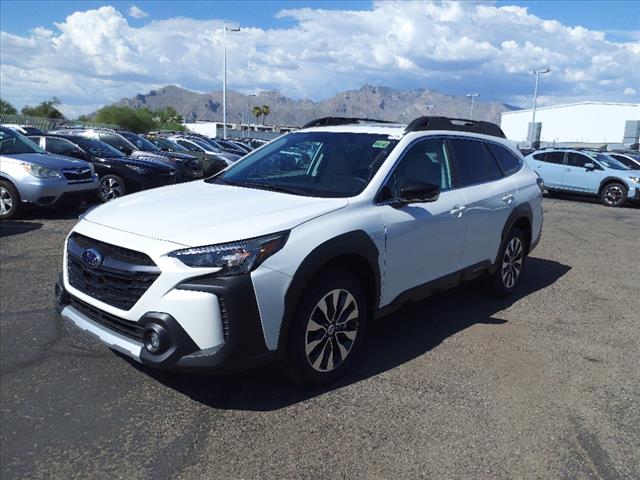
<point>586,122</point>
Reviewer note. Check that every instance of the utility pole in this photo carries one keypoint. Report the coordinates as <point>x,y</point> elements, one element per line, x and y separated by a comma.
<point>535,102</point>
<point>472,96</point>
<point>224,79</point>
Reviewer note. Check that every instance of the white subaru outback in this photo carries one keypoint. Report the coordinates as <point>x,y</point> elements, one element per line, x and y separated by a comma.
<point>287,255</point>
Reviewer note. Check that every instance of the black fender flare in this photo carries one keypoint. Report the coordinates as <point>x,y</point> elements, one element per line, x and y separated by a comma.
<point>521,211</point>
<point>357,243</point>
<point>611,180</point>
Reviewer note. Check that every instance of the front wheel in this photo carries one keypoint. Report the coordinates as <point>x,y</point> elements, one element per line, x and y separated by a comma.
<point>110,188</point>
<point>328,329</point>
<point>9,200</point>
<point>613,195</point>
<point>511,259</point>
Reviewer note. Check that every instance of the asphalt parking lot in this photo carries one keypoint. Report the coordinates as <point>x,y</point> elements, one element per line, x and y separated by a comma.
<point>542,385</point>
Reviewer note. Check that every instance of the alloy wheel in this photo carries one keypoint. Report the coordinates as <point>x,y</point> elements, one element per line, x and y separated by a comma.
<point>110,189</point>
<point>613,195</point>
<point>331,330</point>
<point>512,262</point>
<point>6,202</point>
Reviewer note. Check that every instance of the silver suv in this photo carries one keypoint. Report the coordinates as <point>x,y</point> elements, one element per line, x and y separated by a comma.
<point>30,175</point>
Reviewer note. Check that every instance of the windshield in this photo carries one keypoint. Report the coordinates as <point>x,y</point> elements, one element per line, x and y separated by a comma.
<point>163,142</point>
<point>318,164</point>
<point>205,145</point>
<point>608,161</point>
<point>13,143</point>
<point>140,143</point>
<point>98,148</point>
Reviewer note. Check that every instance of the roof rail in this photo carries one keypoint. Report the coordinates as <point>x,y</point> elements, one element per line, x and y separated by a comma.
<point>333,121</point>
<point>457,124</point>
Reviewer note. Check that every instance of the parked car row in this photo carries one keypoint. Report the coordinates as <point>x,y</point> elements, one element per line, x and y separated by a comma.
<point>75,165</point>
<point>614,177</point>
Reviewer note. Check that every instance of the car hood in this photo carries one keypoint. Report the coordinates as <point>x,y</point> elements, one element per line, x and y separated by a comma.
<point>199,213</point>
<point>48,160</point>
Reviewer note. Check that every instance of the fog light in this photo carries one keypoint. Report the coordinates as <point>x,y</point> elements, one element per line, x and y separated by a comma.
<point>155,339</point>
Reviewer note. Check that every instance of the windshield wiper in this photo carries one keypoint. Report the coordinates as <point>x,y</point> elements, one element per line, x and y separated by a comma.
<point>261,186</point>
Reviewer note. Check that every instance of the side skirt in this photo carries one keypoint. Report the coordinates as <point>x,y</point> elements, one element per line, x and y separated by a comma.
<point>441,284</point>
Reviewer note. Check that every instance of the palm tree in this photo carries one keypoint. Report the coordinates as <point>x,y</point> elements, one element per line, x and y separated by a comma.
<point>257,111</point>
<point>265,111</point>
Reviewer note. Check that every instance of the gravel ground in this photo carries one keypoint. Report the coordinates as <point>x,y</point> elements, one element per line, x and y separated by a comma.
<point>545,384</point>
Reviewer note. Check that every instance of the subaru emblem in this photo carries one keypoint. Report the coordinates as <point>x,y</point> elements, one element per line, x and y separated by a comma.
<point>92,258</point>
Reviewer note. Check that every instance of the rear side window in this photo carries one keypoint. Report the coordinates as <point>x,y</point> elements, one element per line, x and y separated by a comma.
<point>554,157</point>
<point>473,163</point>
<point>59,146</point>
<point>508,161</point>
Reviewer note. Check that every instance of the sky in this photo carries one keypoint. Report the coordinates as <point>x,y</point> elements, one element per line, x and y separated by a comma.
<point>93,53</point>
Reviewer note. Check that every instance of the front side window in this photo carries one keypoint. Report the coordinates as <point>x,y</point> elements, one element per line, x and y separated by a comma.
<point>13,143</point>
<point>425,162</point>
<point>472,162</point>
<point>320,164</point>
<point>60,146</point>
<point>577,160</point>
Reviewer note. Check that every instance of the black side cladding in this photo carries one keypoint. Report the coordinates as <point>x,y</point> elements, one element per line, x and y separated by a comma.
<point>455,124</point>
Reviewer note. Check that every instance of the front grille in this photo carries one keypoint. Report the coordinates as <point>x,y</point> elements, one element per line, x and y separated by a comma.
<point>120,279</point>
<point>127,328</point>
<point>76,174</point>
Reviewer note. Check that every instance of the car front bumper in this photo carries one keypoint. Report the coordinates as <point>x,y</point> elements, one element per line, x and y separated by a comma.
<point>57,191</point>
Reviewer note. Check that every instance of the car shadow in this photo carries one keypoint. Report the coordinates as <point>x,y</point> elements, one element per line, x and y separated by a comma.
<point>395,340</point>
<point>9,227</point>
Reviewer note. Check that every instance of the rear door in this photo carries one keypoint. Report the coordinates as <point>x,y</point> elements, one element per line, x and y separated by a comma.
<point>550,167</point>
<point>577,177</point>
<point>490,199</point>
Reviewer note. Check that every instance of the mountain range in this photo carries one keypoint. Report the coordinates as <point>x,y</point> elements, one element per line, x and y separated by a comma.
<point>382,103</point>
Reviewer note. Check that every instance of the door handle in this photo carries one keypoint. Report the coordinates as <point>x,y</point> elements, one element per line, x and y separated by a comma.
<point>458,210</point>
<point>508,198</point>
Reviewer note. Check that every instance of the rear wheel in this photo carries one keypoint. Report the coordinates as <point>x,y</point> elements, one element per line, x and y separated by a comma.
<point>9,200</point>
<point>613,195</point>
<point>510,263</point>
<point>328,329</point>
<point>111,187</point>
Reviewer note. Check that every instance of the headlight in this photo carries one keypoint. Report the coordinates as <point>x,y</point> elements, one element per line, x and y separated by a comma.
<point>40,171</point>
<point>635,179</point>
<point>137,169</point>
<point>233,258</point>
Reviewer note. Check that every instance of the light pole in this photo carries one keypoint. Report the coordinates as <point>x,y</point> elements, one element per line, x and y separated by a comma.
<point>429,107</point>
<point>224,79</point>
<point>250,112</point>
<point>535,101</point>
<point>472,96</point>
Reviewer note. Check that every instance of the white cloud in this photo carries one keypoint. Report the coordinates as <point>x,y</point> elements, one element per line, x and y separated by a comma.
<point>629,91</point>
<point>96,56</point>
<point>137,12</point>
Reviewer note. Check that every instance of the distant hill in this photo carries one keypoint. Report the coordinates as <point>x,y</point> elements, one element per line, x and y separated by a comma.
<point>382,103</point>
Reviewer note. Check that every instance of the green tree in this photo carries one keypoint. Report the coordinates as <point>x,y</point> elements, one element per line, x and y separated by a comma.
<point>6,108</point>
<point>257,112</point>
<point>47,109</point>
<point>265,111</point>
<point>168,118</point>
<point>137,121</point>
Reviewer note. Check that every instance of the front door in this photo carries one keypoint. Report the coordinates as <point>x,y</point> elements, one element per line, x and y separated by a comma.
<point>577,177</point>
<point>423,240</point>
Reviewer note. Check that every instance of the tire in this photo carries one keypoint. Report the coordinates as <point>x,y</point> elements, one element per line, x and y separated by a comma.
<point>613,195</point>
<point>331,317</point>
<point>9,200</point>
<point>110,187</point>
<point>510,264</point>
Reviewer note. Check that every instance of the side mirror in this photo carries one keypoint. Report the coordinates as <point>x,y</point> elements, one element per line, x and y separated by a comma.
<point>419,192</point>
<point>590,166</point>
